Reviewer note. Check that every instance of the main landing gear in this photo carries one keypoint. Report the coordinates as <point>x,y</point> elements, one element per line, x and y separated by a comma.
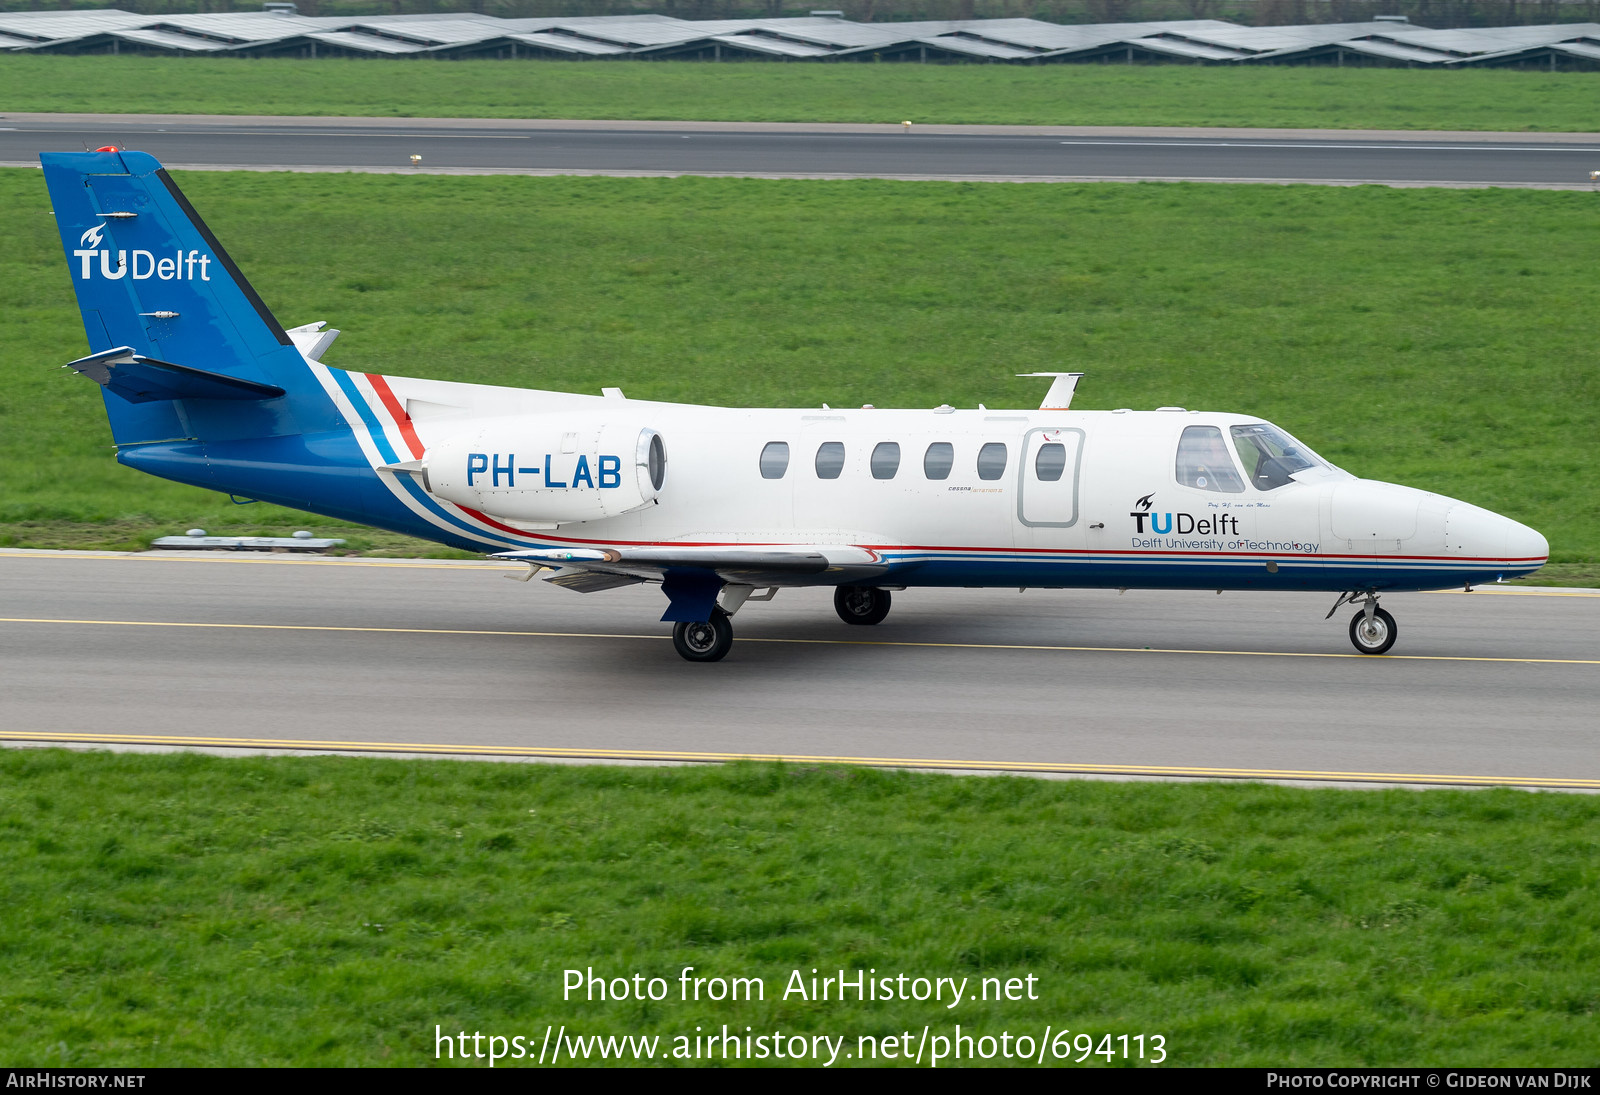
<point>1372,630</point>
<point>704,642</point>
<point>861,604</point>
<point>710,640</point>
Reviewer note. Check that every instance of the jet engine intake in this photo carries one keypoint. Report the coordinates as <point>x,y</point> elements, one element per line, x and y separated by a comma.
<point>547,470</point>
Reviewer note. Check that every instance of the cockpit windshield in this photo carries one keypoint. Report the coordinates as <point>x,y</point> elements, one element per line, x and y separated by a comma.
<point>1271,457</point>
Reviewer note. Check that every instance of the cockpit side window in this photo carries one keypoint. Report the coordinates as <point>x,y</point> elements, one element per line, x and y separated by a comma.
<point>1204,463</point>
<point>1271,456</point>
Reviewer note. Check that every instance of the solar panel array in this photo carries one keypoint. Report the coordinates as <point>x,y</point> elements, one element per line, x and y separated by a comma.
<point>1017,41</point>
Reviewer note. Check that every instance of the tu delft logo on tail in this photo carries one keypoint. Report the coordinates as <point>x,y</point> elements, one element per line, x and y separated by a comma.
<point>144,265</point>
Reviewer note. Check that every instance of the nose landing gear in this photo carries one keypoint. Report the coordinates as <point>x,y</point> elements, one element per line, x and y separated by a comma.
<point>1372,630</point>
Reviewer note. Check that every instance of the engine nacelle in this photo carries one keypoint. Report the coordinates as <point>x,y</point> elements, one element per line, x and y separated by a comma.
<point>549,469</point>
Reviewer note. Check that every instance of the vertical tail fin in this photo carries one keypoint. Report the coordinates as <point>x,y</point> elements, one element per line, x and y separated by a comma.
<point>151,277</point>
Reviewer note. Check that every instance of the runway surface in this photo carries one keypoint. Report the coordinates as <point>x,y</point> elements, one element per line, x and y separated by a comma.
<point>1493,687</point>
<point>995,153</point>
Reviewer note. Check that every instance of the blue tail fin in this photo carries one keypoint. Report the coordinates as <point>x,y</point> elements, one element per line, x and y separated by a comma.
<point>154,282</point>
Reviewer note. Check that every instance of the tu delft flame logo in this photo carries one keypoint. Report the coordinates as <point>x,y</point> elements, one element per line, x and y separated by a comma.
<point>91,238</point>
<point>1144,503</point>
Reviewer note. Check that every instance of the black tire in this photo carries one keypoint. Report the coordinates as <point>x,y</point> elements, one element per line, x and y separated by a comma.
<point>861,604</point>
<point>1375,636</point>
<point>704,642</point>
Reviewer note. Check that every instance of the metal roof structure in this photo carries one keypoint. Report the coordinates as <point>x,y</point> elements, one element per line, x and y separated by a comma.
<point>1550,44</point>
<point>1235,43</point>
<point>29,29</point>
<point>1024,41</point>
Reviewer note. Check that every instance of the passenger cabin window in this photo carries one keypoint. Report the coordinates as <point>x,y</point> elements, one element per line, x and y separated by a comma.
<point>1271,456</point>
<point>830,459</point>
<point>1204,463</point>
<point>938,460</point>
<point>775,460</point>
<point>992,461</point>
<point>1050,462</point>
<point>885,460</point>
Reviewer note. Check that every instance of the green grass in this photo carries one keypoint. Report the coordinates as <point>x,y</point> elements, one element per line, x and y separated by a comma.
<point>1182,95</point>
<point>190,910</point>
<point>1439,338</point>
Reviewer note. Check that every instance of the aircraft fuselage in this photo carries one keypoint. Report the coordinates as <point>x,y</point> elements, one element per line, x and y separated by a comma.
<point>907,486</point>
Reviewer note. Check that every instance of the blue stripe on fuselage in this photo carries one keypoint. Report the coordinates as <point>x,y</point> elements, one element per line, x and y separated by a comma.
<point>380,439</point>
<point>347,384</point>
<point>1199,574</point>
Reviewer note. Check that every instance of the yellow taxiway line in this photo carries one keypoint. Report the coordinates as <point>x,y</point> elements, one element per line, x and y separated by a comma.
<point>694,757</point>
<point>801,642</point>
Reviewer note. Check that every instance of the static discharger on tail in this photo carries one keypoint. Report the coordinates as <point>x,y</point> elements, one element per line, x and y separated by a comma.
<point>721,506</point>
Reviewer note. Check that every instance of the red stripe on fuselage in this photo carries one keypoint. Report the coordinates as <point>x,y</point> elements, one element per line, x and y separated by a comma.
<point>408,431</point>
<point>526,535</point>
<point>397,412</point>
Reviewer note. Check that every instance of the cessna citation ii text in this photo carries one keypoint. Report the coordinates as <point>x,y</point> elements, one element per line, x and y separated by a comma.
<point>721,506</point>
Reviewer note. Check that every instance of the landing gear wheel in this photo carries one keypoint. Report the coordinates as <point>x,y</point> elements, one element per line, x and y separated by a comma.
<point>861,604</point>
<point>1373,636</point>
<point>704,642</point>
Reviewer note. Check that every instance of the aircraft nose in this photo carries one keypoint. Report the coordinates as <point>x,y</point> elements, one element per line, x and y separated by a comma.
<point>1523,542</point>
<point>1473,531</point>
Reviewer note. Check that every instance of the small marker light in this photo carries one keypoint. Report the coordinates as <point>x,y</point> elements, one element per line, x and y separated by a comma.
<point>415,159</point>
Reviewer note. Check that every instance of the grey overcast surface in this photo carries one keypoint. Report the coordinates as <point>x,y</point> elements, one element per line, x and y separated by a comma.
<point>431,655</point>
<point>1000,153</point>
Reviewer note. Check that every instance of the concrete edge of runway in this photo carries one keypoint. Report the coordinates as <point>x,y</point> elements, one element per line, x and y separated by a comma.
<point>662,126</point>
<point>554,172</point>
<point>1373,782</point>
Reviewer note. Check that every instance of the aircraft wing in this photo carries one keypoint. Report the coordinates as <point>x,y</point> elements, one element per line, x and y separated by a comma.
<point>586,569</point>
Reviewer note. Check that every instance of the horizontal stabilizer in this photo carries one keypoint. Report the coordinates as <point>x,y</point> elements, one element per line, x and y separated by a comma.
<point>140,379</point>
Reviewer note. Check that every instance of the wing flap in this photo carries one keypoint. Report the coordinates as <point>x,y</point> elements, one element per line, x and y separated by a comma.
<point>590,581</point>
<point>661,559</point>
<point>761,566</point>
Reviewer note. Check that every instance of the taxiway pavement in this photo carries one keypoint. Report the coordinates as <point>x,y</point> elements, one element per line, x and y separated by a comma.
<point>804,150</point>
<point>416,657</point>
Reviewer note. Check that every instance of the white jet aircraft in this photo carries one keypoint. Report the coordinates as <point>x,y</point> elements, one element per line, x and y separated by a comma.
<point>203,385</point>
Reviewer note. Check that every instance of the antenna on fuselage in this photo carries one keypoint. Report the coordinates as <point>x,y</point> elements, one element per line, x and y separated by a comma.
<point>1059,397</point>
